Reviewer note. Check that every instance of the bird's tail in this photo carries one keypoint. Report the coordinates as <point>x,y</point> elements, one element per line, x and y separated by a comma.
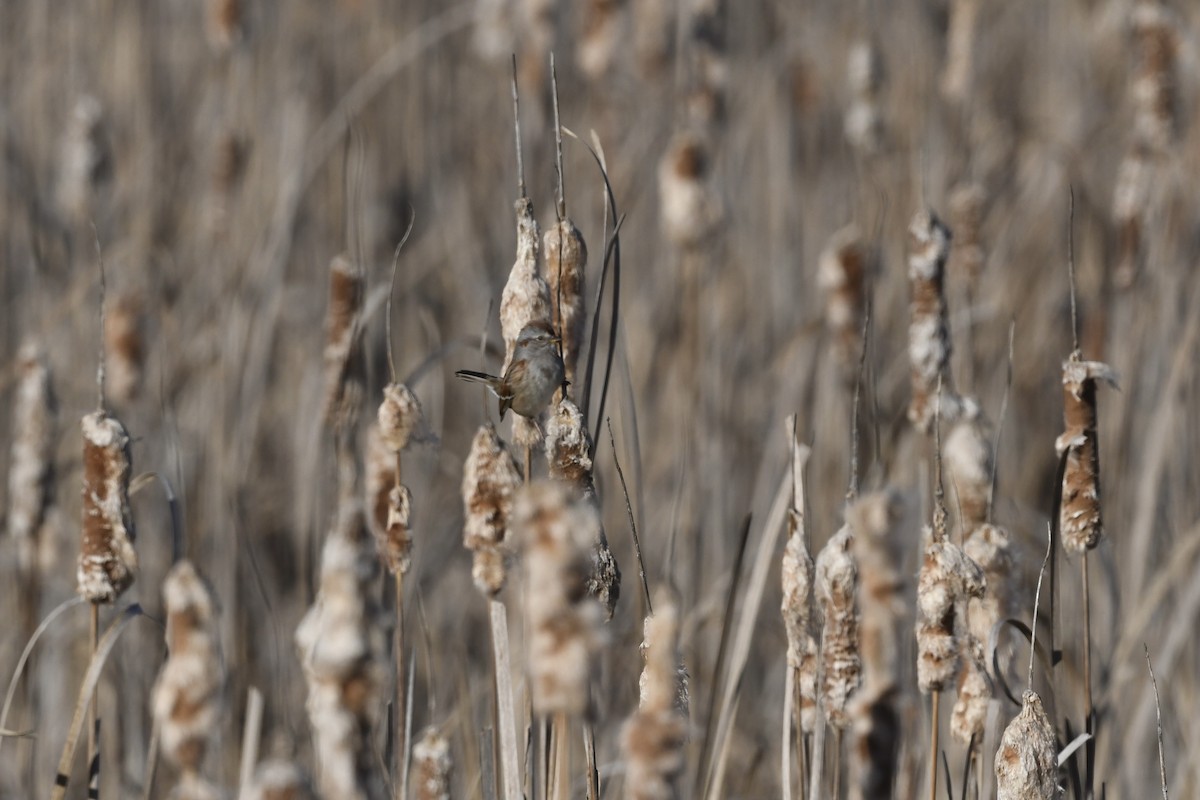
<point>490,381</point>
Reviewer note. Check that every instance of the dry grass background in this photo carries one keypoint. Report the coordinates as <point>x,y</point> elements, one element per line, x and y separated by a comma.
<point>219,186</point>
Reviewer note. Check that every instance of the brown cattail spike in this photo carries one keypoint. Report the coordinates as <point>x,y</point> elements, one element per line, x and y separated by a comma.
<point>490,479</point>
<point>32,467</point>
<point>1026,763</point>
<point>969,462</point>
<point>399,416</point>
<point>841,659</point>
<point>343,381</point>
<point>946,580</point>
<point>1079,511</point>
<point>431,766</point>
<point>566,259</point>
<point>187,697</point>
<point>107,560</point>
<point>876,520</point>
<point>841,275</point>
<point>966,214</point>
<point>798,620</point>
<point>928,332</point>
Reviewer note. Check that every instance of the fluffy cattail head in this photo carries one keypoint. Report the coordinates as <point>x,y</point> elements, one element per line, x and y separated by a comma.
<point>32,466</point>
<point>928,332</point>
<point>566,258</point>
<point>107,560</point>
<point>653,738</point>
<point>389,505</point>
<point>864,78</point>
<point>490,479</point>
<point>653,34</point>
<point>343,381</point>
<point>1154,29</point>
<point>969,462</point>
<point>279,780</point>
<point>990,546</point>
<point>878,522</point>
<point>556,534</point>
<point>974,691</point>
<point>431,766</point>
<point>124,349</point>
<point>526,296</point>
<point>399,415</point>
<point>841,274</point>
<point>187,697</point>
<point>966,214</point>
<point>691,210</point>
<point>798,619</point>
<point>1026,763</point>
<point>841,660</point>
<point>1079,511</point>
<point>946,580</point>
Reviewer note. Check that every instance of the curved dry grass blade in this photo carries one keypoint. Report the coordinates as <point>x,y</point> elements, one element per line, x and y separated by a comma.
<point>993,647</point>
<point>24,659</point>
<point>637,545</point>
<point>86,690</point>
<point>1162,763</point>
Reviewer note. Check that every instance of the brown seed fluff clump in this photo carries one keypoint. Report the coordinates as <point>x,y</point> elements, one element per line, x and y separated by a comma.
<point>490,479</point>
<point>653,738</point>
<point>31,470</point>
<point>974,691</point>
<point>224,23</point>
<point>1026,763</point>
<point>969,462</point>
<point>340,641</point>
<point>691,210</point>
<point>124,350</point>
<point>948,577</point>
<point>566,260</point>
<point>431,766</point>
<point>1079,512</point>
<point>187,696</point>
<point>278,779</point>
<point>990,546</point>
<point>343,384</point>
<point>841,657</point>
<point>569,453</point>
<point>928,331</point>
<point>562,621</point>
<point>526,295</point>
<point>107,560</point>
<point>841,274</point>
<point>798,618</point>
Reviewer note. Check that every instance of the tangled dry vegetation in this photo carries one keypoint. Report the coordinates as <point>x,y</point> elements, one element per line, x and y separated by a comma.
<point>885,317</point>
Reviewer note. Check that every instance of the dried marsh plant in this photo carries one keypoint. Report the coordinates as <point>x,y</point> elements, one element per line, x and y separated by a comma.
<point>1079,514</point>
<point>929,332</point>
<point>124,349</point>
<point>389,501</point>
<point>1026,763</point>
<point>600,37</point>
<point>799,619</point>
<point>566,258</point>
<point>31,468</point>
<point>343,381</point>
<point>947,579</point>
<point>966,216</point>
<point>84,161</point>
<point>691,209</point>
<point>279,779</point>
<point>490,480</point>
<point>990,546</point>
<point>865,76</point>
<point>841,654</point>
<point>969,464</point>
<point>1156,39</point>
<point>107,560</point>
<point>841,276</point>
<point>431,766</point>
<point>877,520</point>
<point>969,714</point>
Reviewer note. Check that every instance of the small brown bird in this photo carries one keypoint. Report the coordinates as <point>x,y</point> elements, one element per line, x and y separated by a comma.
<point>535,373</point>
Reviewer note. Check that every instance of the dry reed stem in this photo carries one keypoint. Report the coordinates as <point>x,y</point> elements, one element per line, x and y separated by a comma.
<point>556,534</point>
<point>124,350</point>
<point>566,260</point>
<point>343,381</point>
<point>31,472</point>
<point>431,766</point>
<point>340,641</point>
<point>187,698</point>
<point>691,209</point>
<point>278,779</point>
<point>653,738</point>
<point>841,655</point>
<point>947,579</point>
<point>863,123</point>
<point>928,333</point>
<point>490,480</point>
<point>569,454</point>
<point>107,560</point>
<point>841,275</point>
<point>1026,765</point>
<point>799,620</point>
<point>969,462</point>
<point>1079,512</point>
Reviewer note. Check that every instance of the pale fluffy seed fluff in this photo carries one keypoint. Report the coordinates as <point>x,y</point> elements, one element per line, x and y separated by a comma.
<point>398,417</point>
<point>841,657</point>
<point>1079,512</point>
<point>928,332</point>
<point>526,295</point>
<point>969,462</point>
<point>990,546</point>
<point>187,698</point>
<point>562,622</point>
<point>566,260</point>
<point>974,691</point>
<point>107,560</point>
<point>32,466</point>
<point>340,641</point>
<point>947,578</point>
<point>490,480</point>
<point>431,766</point>
<point>278,779</point>
<point>653,738</point>
<point>389,505</point>
<point>799,620</point>
<point>1026,763</point>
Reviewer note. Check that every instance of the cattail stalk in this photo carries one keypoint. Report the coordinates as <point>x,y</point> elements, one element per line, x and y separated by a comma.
<point>799,618</point>
<point>278,779</point>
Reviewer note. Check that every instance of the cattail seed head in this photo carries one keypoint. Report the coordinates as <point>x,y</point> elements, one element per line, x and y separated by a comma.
<point>1026,763</point>
<point>1156,39</point>
<point>798,618</point>
<point>490,479</point>
<point>966,214</point>
<point>863,123</point>
<point>343,381</point>
<point>399,415</point>
<point>990,546</point>
<point>85,159</point>
<point>653,738</point>
<point>32,467</point>
<point>187,697</point>
<point>389,505</point>
<point>841,275</point>
<point>691,210</point>
<point>224,23</point>
<point>928,332</point>
<point>1079,511</point>
<point>841,660</point>
<point>107,560</point>
<point>969,462</point>
<point>562,621</point>
<point>526,296</point>
<point>124,349</point>
<point>566,259</point>
<point>653,34</point>
<point>279,780</point>
<point>193,787</point>
<point>431,766</point>
<point>946,580</point>
<point>877,734</point>
<point>974,691</point>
